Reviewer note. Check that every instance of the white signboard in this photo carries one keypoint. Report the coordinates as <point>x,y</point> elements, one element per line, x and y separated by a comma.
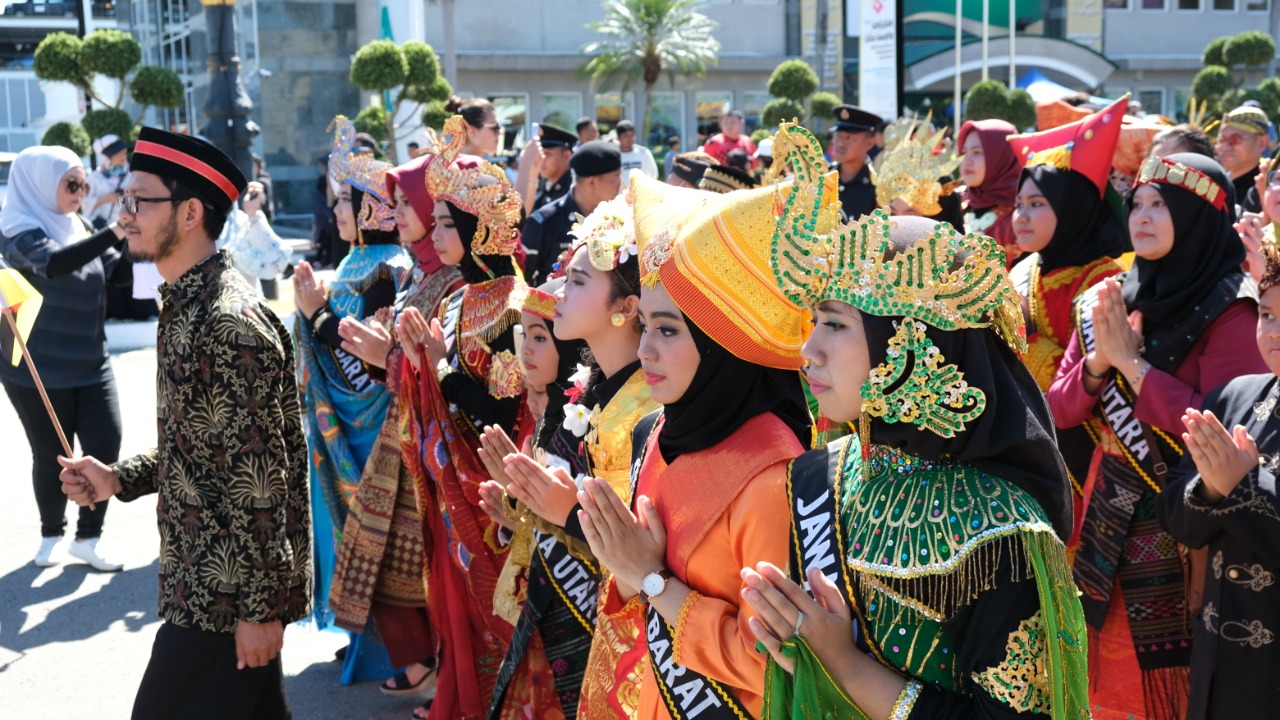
<point>878,58</point>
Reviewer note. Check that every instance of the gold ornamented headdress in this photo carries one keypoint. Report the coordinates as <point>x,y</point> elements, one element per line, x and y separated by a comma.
<point>540,303</point>
<point>362,171</point>
<point>609,234</point>
<point>1163,170</point>
<point>911,164</point>
<point>482,190</point>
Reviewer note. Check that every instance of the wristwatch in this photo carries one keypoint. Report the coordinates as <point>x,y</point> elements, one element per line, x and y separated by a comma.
<point>654,584</point>
<point>444,369</point>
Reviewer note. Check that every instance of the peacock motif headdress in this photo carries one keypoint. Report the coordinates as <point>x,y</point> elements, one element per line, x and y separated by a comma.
<point>360,170</point>
<point>944,279</point>
<point>482,189</point>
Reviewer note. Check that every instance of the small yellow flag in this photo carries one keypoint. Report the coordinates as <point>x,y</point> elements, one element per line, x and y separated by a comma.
<point>18,298</point>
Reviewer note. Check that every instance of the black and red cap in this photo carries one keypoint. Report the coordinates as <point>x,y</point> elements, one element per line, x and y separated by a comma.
<point>194,164</point>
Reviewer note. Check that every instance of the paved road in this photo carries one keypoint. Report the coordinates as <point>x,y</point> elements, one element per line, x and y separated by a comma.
<point>74,643</point>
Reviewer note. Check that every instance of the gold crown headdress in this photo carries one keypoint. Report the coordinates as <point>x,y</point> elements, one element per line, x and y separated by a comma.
<point>482,190</point>
<point>361,170</point>
<point>911,164</point>
<point>540,303</point>
<point>609,234</point>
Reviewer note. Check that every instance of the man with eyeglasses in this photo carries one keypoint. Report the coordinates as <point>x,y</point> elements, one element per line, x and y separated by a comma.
<point>851,142</point>
<point>231,464</point>
<point>1242,141</point>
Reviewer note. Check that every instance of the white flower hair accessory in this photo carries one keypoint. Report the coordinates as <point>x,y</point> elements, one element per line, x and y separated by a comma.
<point>577,418</point>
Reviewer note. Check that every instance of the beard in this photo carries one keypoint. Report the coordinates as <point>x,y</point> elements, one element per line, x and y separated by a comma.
<point>167,243</point>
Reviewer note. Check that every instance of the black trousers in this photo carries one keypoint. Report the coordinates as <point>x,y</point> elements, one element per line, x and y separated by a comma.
<point>89,414</point>
<point>192,675</point>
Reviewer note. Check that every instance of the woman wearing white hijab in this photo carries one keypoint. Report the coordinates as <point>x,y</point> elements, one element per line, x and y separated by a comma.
<point>42,237</point>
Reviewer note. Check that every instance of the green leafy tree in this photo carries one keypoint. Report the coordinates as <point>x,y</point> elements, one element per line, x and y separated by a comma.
<point>109,121</point>
<point>373,120</point>
<point>1217,85</point>
<point>823,105</point>
<point>641,40</point>
<point>985,100</point>
<point>405,73</point>
<point>793,80</point>
<point>1022,109</point>
<point>62,57</point>
<point>68,135</point>
<point>780,110</point>
<point>434,115</point>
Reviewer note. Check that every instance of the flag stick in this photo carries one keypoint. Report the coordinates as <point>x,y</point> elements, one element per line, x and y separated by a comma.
<point>22,345</point>
<point>53,416</point>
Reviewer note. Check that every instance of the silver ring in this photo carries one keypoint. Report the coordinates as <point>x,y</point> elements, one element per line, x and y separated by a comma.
<point>799,622</point>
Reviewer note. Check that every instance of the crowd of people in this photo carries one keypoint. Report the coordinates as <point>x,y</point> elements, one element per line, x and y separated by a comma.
<point>883,425</point>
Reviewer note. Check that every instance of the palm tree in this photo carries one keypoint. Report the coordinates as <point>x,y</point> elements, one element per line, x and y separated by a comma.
<point>642,39</point>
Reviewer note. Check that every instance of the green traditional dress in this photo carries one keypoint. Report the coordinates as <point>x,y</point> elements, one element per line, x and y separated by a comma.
<point>957,582</point>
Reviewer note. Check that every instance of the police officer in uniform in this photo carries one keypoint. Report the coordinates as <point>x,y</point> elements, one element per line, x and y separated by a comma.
<point>597,176</point>
<point>554,179</point>
<point>851,142</point>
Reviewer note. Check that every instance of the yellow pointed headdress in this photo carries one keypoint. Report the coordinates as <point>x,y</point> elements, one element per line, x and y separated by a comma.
<point>911,164</point>
<point>481,189</point>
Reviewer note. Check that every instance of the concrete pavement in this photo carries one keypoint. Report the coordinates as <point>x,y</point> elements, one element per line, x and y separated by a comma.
<point>74,642</point>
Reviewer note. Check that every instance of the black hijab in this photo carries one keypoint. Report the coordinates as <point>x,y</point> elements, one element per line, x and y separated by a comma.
<point>371,237</point>
<point>1183,292</point>
<point>500,265</point>
<point>725,393</point>
<point>1087,229</point>
<point>1013,438</point>
<point>571,352</point>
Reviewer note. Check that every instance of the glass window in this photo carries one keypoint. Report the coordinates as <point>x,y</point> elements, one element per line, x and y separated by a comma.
<point>513,113</point>
<point>753,107</point>
<point>561,109</point>
<point>666,118</point>
<point>612,107</point>
<point>1116,4</point>
<point>1152,101</point>
<point>1226,5</point>
<point>711,107</point>
<point>1188,4</point>
<point>1152,4</point>
<point>1257,5</point>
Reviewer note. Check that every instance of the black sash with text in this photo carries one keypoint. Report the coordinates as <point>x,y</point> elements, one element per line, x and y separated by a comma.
<point>813,482</point>
<point>685,693</point>
<point>576,582</point>
<point>1117,405</point>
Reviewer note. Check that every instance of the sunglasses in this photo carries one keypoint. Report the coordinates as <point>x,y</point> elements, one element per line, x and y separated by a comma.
<point>75,187</point>
<point>496,127</point>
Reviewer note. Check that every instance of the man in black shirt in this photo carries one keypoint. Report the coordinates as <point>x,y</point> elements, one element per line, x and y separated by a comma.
<point>544,167</point>
<point>597,173</point>
<point>1240,145</point>
<point>851,140</point>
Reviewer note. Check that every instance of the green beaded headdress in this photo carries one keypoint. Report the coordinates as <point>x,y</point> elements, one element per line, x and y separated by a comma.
<point>926,283</point>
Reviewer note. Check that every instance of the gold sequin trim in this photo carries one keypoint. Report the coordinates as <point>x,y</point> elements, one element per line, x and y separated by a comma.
<point>1020,681</point>
<point>685,608</point>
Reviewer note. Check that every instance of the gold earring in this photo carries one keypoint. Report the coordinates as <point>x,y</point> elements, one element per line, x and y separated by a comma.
<point>617,319</point>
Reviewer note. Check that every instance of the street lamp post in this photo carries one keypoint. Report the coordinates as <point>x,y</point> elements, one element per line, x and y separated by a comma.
<point>228,107</point>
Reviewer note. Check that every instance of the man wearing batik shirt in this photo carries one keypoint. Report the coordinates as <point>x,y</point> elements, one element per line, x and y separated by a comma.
<point>231,467</point>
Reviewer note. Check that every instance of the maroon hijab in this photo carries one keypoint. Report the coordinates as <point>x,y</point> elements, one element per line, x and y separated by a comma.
<point>412,179</point>
<point>1000,186</point>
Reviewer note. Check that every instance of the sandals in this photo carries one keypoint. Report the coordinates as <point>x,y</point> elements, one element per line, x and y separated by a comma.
<point>399,686</point>
<point>426,711</point>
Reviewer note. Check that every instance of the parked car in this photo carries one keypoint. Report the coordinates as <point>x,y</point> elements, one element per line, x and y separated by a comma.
<point>6,159</point>
<point>40,7</point>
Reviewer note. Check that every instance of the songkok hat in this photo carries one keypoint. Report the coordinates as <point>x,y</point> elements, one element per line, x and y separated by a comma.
<point>1085,146</point>
<point>194,164</point>
<point>851,118</point>
<point>723,179</point>
<point>712,254</point>
<point>1248,119</point>
<point>691,166</point>
<point>595,158</point>
<point>552,136</point>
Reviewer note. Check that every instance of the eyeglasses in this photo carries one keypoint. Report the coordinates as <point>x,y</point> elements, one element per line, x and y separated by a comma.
<point>75,187</point>
<point>494,126</point>
<point>1231,140</point>
<point>129,203</point>
<point>1273,178</point>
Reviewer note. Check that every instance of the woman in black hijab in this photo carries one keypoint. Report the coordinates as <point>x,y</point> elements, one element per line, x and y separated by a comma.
<point>1153,343</point>
<point>941,523</point>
